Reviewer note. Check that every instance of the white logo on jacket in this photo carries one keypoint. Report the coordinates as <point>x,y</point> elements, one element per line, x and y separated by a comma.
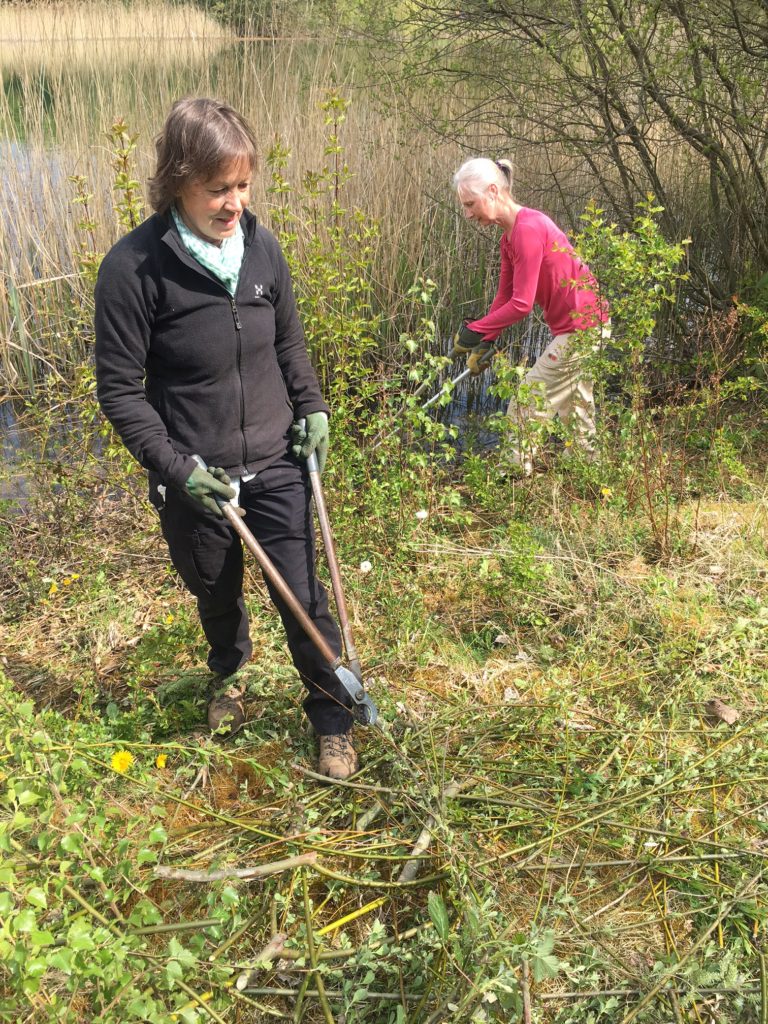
<point>258,290</point>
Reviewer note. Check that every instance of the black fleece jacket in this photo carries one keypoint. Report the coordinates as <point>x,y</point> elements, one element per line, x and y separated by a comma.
<point>183,368</point>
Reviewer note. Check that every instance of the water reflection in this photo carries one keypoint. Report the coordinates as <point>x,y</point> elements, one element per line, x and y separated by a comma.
<point>25,442</point>
<point>27,228</point>
<point>12,442</point>
<point>473,402</point>
<point>33,91</point>
<point>10,434</point>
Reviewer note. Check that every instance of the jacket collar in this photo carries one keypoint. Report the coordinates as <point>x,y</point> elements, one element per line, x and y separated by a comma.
<point>170,235</point>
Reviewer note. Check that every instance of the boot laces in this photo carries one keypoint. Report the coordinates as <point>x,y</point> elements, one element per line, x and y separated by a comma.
<point>337,745</point>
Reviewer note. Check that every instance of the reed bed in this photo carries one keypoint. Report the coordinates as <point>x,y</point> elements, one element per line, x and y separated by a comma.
<point>56,109</point>
<point>61,95</point>
<point>96,35</point>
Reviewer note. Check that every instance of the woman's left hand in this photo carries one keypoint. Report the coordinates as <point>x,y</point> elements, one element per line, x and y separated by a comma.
<point>311,438</point>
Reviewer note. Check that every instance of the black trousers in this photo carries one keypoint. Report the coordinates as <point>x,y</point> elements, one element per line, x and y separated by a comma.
<point>208,555</point>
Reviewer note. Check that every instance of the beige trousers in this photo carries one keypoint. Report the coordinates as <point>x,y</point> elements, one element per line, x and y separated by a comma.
<point>556,387</point>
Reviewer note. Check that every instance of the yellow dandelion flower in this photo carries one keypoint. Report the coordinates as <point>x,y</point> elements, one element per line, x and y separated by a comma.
<point>606,492</point>
<point>168,619</point>
<point>121,761</point>
<point>53,589</point>
<point>67,580</point>
<point>75,576</point>
<point>161,760</point>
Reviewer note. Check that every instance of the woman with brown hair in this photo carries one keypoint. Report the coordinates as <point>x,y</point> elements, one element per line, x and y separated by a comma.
<point>199,351</point>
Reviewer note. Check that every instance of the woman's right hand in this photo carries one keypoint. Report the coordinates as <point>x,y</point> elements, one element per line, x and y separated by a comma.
<point>204,484</point>
<point>471,343</point>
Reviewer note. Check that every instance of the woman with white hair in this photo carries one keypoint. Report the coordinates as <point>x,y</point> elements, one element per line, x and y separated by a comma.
<point>538,267</point>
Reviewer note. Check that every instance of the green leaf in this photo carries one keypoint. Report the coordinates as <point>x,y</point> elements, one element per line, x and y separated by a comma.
<point>158,835</point>
<point>184,956</point>
<point>44,842</point>
<point>44,938</point>
<point>62,961</point>
<point>30,986</point>
<point>79,936</point>
<point>173,971</point>
<point>35,968</point>
<point>544,964</point>
<point>27,797</point>
<point>71,843</point>
<point>438,915</point>
<point>37,897</point>
<point>24,921</point>
<point>544,967</point>
<point>229,896</point>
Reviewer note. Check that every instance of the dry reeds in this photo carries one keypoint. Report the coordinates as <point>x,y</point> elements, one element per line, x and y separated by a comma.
<point>93,35</point>
<point>68,75</point>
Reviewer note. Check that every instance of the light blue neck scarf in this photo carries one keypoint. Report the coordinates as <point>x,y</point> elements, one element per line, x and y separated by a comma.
<point>223,261</point>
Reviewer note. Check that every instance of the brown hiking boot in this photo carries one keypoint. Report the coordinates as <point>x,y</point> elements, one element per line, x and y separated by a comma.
<point>226,711</point>
<point>338,759</point>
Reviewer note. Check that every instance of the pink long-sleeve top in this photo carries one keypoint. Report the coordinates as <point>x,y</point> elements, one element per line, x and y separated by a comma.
<point>539,266</point>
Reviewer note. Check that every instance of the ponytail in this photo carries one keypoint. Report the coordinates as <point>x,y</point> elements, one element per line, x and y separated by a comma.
<point>476,175</point>
<point>505,166</point>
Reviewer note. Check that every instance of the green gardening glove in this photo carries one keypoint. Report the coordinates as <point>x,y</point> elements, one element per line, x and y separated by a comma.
<point>311,438</point>
<point>471,344</point>
<point>204,484</point>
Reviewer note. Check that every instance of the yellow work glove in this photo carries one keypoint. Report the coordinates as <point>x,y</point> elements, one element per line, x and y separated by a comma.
<point>471,343</point>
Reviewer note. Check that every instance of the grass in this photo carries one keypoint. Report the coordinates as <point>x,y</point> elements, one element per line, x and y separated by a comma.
<point>602,855</point>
